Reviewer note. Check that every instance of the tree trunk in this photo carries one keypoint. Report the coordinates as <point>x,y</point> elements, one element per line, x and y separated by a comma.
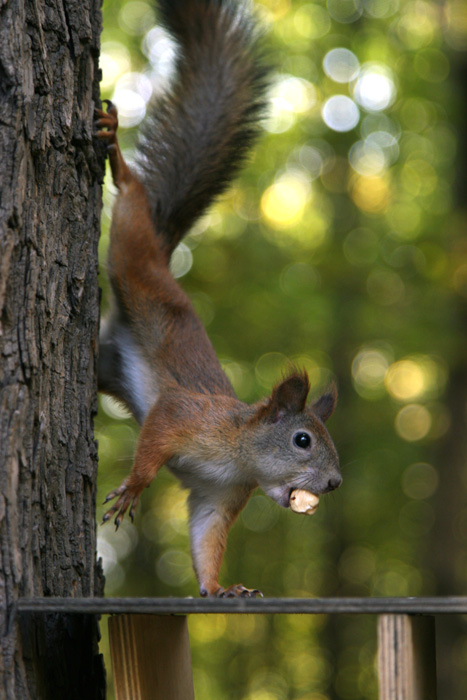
<point>50,201</point>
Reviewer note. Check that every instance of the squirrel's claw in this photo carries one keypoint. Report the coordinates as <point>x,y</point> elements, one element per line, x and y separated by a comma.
<point>127,499</point>
<point>116,492</point>
<point>107,120</point>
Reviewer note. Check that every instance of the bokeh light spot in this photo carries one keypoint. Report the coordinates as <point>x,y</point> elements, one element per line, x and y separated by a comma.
<point>415,377</point>
<point>405,380</point>
<point>418,24</point>
<point>288,96</point>
<point>432,65</point>
<point>345,11</point>
<point>341,65</point>
<point>340,113</point>
<point>404,217</point>
<point>297,278</point>
<point>181,260</point>
<point>456,24</point>
<point>387,142</point>
<point>132,93</point>
<point>239,376</point>
<point>160,49</point>
<point>136,16</point>
<point>413,422</point>
<point>418,177</point>
<point>317,368</point>
<point>114,62</point>
<point>370,193</point>
<point>312,160</point>
<point>375,89</point>
<point>270,367</point>
<point>420,481</point>
<point>174,567</point>
<point>283,203</point>
<point>369,369</point>
<point>367,158</point>
<point>312,21</point>
<point>381,8</point>
<point>207,628</point>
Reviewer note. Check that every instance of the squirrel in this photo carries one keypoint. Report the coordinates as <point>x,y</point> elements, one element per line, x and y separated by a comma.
<point>155,355</point>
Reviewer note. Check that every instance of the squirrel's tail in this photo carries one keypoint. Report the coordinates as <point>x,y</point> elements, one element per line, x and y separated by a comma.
<point>195,137</point>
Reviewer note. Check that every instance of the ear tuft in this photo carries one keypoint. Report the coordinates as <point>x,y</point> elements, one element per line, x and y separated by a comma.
<point>287,397</point>
<point>325,405</point>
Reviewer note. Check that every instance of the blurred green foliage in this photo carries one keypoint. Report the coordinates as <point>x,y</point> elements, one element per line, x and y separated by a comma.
<point>342,247</point>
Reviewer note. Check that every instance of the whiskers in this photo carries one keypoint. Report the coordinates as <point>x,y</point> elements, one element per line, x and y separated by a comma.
<point>303,482</point>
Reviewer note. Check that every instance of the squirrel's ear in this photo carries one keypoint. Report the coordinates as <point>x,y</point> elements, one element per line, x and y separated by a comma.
<point>325,405</point>
<point>287,397</point>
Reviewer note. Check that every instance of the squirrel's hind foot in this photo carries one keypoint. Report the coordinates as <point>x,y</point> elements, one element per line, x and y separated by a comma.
<point>109,121</point>
<point>237,590</point>
<point>107,125</point>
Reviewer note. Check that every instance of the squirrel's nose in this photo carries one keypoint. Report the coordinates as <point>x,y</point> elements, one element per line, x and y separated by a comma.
<point>334,483</point>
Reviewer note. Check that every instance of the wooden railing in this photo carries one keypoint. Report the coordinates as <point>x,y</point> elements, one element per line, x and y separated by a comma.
<point>150,645</point>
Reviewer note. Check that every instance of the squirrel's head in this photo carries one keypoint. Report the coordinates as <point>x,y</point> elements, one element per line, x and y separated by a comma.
<point>289,444</point>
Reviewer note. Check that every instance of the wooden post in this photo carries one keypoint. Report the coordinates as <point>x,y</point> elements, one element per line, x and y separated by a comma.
<point>406,657</point>
<point>151,657</point>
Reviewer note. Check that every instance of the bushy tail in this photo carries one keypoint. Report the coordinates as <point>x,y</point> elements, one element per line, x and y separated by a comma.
<point>195,137</point>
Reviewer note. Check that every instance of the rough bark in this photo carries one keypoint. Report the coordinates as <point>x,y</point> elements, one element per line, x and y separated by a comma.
<point>49,222</point>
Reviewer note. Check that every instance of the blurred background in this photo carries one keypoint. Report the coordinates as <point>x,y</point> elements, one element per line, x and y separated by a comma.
<point>342,246</point>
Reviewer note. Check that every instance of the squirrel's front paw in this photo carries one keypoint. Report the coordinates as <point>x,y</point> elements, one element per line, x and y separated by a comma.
<point>128,497</point>
<point>237,590</point>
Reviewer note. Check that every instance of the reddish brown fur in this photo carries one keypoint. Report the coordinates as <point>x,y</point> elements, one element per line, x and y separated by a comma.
<point>157,358</point>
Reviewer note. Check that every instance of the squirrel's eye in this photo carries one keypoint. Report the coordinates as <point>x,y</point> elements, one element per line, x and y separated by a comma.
<point>302,440</point>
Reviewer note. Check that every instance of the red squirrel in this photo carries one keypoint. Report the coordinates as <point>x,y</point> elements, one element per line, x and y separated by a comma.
<point>155,355</point>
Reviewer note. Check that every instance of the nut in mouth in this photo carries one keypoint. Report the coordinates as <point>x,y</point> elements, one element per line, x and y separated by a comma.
<point>305,502</point>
